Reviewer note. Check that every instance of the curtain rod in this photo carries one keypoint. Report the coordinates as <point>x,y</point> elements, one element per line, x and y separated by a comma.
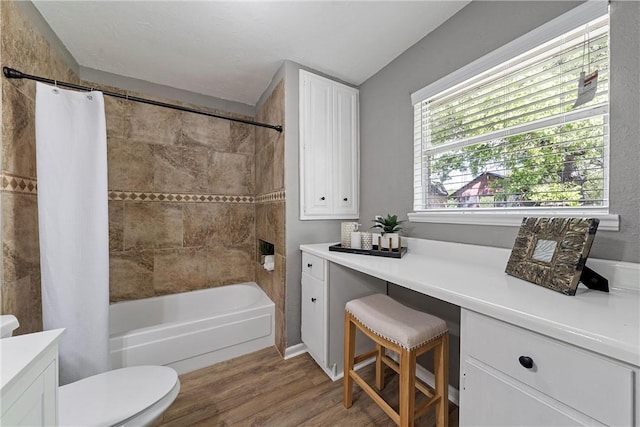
<point>11,73</point>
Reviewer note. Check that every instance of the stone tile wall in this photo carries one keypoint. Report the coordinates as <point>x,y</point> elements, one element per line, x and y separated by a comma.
<point>181,211</point>
<point>22,47</point>
<point>270,204</point>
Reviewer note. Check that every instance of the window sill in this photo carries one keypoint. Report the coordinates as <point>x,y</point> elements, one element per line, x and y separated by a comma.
<point>608,222</point>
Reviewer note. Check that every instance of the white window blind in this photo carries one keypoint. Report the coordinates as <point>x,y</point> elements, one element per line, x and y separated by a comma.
<point>509,137</point>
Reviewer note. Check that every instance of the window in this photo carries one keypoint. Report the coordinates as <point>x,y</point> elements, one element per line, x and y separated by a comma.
<point>508,138</point>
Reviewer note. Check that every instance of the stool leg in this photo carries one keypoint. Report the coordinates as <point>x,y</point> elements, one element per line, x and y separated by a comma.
<point>407,388</point>
<point>349,354</point>
<point>379,367</point>
<point>441,362</point>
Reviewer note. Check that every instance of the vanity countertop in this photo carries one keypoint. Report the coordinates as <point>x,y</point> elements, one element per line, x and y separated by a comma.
<point>473,278</point>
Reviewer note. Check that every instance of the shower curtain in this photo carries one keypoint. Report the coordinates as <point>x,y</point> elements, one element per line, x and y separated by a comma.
<point>71,159</point>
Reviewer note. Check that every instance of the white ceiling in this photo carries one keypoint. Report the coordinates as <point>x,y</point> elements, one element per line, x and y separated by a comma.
<point>232,49</point>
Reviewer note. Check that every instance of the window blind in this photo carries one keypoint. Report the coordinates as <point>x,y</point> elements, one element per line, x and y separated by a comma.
<point>510,137</point>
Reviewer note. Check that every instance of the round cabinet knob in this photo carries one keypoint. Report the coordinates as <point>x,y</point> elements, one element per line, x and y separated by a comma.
<point>313,300</point>
<point>322,198</point>
<point>526,361</point>
<point>345,199</point>
<point>309,265</point>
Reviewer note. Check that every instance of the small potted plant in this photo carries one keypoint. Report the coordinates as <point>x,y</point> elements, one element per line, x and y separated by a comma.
<point>390,227</point>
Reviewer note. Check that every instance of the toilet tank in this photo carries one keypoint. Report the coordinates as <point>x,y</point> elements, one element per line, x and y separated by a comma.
<point>8,324</point>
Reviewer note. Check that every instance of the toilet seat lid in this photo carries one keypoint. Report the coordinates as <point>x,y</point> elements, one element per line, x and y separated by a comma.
<point>114,396</point>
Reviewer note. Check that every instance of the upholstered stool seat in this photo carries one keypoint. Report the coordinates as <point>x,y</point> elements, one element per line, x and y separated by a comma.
<point>409,333</point>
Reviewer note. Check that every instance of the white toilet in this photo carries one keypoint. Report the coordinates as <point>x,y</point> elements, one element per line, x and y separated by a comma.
<point>134,396</point>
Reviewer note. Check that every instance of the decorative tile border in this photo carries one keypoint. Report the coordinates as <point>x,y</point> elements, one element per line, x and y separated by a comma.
<point>178,197</point>
<point>275,196</point>
<point>18,184</point>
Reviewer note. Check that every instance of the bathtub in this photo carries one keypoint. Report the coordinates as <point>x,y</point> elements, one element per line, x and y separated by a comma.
<point>191,330</point>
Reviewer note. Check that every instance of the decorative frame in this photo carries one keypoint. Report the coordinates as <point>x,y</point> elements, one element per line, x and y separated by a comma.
<point>552,252</point>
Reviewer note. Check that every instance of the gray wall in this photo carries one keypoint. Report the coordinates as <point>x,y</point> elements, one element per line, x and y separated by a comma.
<point>161,91</point>
<point>386,117</point>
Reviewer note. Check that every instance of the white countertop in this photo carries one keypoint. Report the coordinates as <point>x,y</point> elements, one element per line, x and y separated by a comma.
<point>473,278</point>
<point>17,353</point>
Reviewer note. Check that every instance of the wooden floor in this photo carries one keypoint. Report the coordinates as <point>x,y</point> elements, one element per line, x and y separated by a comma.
<point>262,389</point>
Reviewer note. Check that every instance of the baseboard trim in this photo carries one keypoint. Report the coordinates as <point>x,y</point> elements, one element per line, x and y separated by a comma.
<point>294,350</point>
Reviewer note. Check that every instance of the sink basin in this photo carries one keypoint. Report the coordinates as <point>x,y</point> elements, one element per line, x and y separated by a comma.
<point>8,324</point>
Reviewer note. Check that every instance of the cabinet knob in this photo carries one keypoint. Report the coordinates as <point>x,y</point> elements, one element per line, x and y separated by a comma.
<point>526,361</point>
<point>345,199</point>
<point>309,265</point>
<point>322,198</point>
<point>313,300</point>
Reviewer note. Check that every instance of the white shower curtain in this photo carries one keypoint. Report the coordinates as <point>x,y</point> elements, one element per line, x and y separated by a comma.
<point>71,154</point>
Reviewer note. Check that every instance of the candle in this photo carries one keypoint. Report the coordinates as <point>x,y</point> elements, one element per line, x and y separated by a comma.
<point>355,240</point>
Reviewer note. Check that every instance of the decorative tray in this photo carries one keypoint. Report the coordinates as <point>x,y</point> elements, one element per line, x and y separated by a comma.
<point>394,253</point>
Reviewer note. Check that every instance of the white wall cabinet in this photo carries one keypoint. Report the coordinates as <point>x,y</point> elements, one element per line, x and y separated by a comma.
<point>329,149</point>
<point>326,288</point>
<point>537,380</point>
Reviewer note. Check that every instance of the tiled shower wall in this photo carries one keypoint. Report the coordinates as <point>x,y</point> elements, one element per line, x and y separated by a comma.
<point>24,48</point>
<point>270,203</point>
<point>181,212</point>
<point>183,193</point>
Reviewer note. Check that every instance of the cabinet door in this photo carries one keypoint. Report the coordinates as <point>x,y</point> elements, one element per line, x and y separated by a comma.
<point>316,149</point>
<point>346,149</point>
<point>37,406</point>
<point>488,399</point>
<point>313,318</point>
<point>329,149</point>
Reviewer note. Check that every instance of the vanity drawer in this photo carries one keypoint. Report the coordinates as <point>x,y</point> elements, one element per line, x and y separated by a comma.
<point>594,385</point>
<point>313,265</point>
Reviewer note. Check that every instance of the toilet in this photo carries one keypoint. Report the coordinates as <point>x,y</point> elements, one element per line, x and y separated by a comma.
<point>133,396</point>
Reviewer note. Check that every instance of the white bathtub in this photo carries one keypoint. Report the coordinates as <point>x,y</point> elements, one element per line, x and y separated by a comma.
<point>191,330</point>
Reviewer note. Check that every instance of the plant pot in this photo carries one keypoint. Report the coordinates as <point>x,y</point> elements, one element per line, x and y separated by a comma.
<point>393,238</point>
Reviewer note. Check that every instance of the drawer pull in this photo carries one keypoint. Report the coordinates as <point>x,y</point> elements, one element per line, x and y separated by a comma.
<point>313,300</point>
<point>345,199</point>
<point>526,361</point>
<point>309,265</point>
<point>322,198</point>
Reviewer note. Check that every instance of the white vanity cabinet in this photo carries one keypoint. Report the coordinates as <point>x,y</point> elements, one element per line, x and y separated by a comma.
<point>511,376</point>
<point>583,351</point>
<point>29,377</point>
<point>329,149</point>
<point>326,289</point>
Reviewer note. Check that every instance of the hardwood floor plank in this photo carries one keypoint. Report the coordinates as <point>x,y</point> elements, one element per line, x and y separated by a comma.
<point>262,389</point>
<point>223,386</point>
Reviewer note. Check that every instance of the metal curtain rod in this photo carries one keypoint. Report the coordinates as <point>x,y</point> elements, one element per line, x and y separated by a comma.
<point>11,73</point>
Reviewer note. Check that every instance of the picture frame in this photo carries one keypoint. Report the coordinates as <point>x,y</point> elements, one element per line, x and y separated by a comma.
<point>552,252</point>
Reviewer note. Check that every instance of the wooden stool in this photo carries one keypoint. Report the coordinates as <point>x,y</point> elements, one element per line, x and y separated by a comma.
<point>409,333</point>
